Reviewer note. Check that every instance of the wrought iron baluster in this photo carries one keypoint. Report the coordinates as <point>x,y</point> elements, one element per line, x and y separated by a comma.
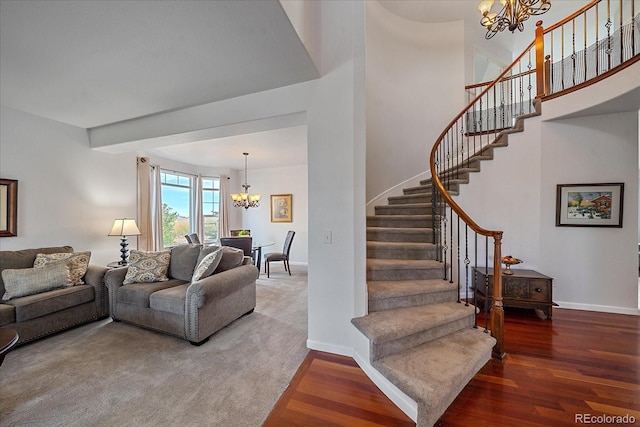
<point>487,302</point>
<point>608,26</point>
<point>458,257</point>
<point>466,265</point>
<point>451,245</point>
<point>475,279</point>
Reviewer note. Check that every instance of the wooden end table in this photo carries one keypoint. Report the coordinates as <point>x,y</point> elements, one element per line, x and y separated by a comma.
<point>522,289</point>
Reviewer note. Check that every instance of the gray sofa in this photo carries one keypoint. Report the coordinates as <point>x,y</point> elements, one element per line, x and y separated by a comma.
<point>189,310</point>
<point>45,313</point>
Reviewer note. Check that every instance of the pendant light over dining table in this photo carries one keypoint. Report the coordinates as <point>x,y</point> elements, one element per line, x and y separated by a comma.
<point>245,200</point>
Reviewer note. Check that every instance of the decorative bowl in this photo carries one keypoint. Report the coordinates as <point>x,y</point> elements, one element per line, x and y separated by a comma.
<point>508,261</point>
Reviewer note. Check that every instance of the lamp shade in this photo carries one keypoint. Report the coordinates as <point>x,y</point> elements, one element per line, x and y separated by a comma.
<point>124,227</point>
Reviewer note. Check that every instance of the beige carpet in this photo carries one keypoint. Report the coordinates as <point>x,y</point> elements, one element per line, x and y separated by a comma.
<point>115,374</point>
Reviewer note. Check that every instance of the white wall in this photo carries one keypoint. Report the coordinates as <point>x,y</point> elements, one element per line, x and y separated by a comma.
<point>284,180</point>
<point>68,194</point>
<point>415,86</point>
<point>336,179</point>
<point>593,268</point>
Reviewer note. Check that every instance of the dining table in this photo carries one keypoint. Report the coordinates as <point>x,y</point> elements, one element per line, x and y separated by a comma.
<point>256,251</point>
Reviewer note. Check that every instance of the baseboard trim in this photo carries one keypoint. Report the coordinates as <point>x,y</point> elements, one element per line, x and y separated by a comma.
<point>400,399</point>
<point>330,348</point>
<point>600,308</point>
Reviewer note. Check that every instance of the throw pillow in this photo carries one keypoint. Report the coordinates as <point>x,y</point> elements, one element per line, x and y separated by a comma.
<point>29,281</point>
<point>207,266</point>
<point>231,258</point>
<point>147,267</point>
<point>78,262</point>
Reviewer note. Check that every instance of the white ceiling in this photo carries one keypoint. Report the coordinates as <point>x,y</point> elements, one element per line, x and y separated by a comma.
<point>91,63</point>
<point>273,148</point>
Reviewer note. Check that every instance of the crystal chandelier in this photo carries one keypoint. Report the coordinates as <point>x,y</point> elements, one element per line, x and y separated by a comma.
<point>245,200</point>
<point>511,16</point>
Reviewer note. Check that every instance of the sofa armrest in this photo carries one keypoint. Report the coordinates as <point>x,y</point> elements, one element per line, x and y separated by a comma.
<point>220,285</point>
<point>95,277</point>
<point>215,301</point>
<point>113,279</point>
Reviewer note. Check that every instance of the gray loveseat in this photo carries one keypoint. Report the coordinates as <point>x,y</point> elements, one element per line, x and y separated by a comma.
<point>192,310</point>
<point>44,313</point>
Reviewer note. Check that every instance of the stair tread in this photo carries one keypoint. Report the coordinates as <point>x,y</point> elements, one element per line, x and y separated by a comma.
<point>400,217</point>
<point>406,205</point>
<point>408,245</point>
<point>434,372</point>
<point>387,325</point>
<point>382,289</point>
<point>382,264</point>
<point>408,230</point>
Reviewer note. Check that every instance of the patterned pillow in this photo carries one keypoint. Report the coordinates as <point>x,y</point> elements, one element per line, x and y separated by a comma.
<point>147,267</point>
<point>207,266</point>
<point>21,282</point>
<point>78,262</point>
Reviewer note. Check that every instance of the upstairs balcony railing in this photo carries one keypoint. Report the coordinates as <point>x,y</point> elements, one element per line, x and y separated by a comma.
<point>596,41</point>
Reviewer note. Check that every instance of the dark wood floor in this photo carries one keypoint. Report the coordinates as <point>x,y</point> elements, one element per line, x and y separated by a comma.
<point>580,364</point>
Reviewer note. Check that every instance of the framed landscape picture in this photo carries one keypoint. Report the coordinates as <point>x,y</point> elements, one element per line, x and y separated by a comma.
<point>8,207</point>
<point>589,205</point>
<point>281,208</point>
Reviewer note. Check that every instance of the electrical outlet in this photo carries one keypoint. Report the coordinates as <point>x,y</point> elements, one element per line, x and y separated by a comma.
<point>327,237</point>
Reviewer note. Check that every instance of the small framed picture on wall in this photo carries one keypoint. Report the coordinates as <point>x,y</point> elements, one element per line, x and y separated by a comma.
<point>281,208</point>
<point>8,207</point>
<point>589,205</point>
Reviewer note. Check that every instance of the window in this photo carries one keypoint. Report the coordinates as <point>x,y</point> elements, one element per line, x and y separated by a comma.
<point>176,207</point>
<point>210,208</point>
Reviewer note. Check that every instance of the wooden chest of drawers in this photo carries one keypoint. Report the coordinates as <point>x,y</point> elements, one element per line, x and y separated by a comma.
<point>523,289</point>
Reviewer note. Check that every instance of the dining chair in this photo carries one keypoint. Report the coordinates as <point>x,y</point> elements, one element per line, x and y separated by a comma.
<point>192,238</point>
<point>281,256</point>
<point>241,242</point>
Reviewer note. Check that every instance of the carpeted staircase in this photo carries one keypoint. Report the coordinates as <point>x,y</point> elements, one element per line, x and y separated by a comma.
<point>421,338</point>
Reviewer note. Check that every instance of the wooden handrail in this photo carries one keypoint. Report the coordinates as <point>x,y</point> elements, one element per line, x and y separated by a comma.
<point>511,77</point>
<point>436,179</point>
<point>543,92</point>
<point>571,17</point>
<point>497,309</point>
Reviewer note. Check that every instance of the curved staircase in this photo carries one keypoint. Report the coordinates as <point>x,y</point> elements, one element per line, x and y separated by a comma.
<point>422,338</point>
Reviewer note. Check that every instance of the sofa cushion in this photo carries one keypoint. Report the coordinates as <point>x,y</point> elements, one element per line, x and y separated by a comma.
<point>25,258</point>
<point>147,267</point>
<point>78,262</point>
<point>184,259</point>
<point>231,258</point>
<point>207,266</point>
<point>33,306</point>
<point>139,293</point>
<point>170,300</point>
<point>28,281</point>
<point>7,314</point>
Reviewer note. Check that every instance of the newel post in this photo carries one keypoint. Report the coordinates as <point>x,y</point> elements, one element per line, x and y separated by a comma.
<point>497,310</point>
<point>540,71</point>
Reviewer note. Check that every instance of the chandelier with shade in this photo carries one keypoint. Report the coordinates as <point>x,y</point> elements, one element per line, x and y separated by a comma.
<point>245,200</point>
<point>511,16</point>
